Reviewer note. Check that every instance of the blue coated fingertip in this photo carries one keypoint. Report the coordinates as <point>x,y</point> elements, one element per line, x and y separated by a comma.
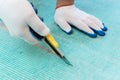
<point>70,32</point>
<point>35,9</point>
<point>105,28</point>
<point>91,35</point>
<point>100,32</point>
<point>32,4</point>
<point>41,18</point>
<point>35,35</point>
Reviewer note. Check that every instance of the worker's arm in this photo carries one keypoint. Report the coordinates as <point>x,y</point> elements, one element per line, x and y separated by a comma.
<point>67,13</point>
<point>17,15</point>
<point>61,3</point>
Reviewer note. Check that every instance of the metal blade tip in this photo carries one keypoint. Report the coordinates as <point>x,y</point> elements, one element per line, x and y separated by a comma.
<point>66,60</point>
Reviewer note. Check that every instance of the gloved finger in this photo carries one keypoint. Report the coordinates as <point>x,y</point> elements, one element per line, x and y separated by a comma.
<point>83,27</point>
<point>29,38</point>
<point>98,22</point>
<point>38,26</point>
<point>105,28</point>
<point>22,31</point>
<point>64,26</point>
<point>94,27</point>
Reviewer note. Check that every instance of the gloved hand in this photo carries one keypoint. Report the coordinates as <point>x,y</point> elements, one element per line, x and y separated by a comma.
<point>18,16</point>
<point>66,16</point>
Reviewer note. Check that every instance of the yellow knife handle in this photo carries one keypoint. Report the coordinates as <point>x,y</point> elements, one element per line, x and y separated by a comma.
<point>52,40</point>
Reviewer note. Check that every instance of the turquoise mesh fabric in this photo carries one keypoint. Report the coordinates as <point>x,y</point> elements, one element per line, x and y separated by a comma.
<point>92,59</point>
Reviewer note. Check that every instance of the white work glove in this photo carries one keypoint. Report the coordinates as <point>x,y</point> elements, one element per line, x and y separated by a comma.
<point>66,16</point>
<point>17,15</point>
